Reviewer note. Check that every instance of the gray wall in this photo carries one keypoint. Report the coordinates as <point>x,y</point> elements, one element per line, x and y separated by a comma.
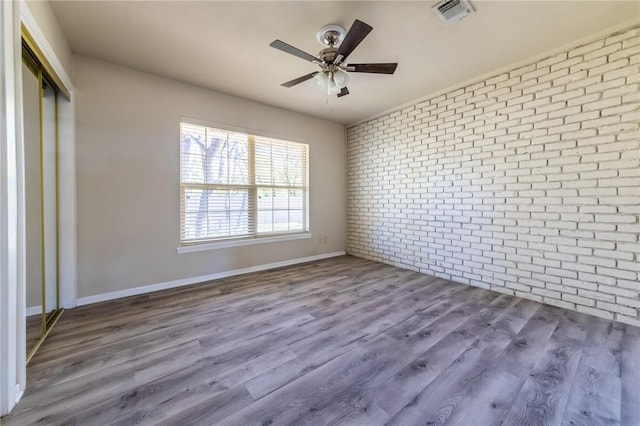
<point>127,133</point>
<point>527,183</point>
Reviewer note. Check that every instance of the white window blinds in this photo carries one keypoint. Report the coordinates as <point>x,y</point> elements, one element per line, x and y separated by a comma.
<point>235,185</point>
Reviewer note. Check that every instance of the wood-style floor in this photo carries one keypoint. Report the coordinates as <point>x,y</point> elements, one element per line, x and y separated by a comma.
<point>34,331</point>
<point>339,341</point>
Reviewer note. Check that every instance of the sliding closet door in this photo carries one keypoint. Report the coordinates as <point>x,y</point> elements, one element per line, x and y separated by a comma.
<point>33,204</point>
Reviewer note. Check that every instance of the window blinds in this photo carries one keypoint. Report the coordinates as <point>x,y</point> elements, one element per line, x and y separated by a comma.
<point>235,185</point>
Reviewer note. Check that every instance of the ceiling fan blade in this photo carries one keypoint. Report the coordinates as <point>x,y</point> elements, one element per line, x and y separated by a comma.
<point>299,80</point>
<point>358,31</point>
<point>373,68</point>
<point>287,48</point>
<point>343,92</point>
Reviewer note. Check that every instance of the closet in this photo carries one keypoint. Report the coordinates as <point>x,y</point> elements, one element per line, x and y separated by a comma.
<point>41,92</point>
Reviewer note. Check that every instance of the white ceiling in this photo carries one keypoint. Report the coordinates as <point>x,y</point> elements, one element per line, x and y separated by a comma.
<point>225,45</point>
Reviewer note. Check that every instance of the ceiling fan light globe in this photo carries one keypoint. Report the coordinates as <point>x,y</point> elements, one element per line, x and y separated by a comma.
<point>341,79</point>
<point>333,88</point>
<point>322,79</point>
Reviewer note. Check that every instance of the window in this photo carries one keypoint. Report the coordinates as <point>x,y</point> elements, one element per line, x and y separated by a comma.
<point>234,185</point>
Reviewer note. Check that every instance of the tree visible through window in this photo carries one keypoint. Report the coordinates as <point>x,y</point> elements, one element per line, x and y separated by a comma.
<point>235,185</point>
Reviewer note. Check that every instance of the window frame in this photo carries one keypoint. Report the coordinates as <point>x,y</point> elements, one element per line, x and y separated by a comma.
<point>255,237</point>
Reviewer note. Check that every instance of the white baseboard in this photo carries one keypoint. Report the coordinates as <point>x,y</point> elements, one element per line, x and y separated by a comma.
<point>34,310</point>
<point>202,278</point>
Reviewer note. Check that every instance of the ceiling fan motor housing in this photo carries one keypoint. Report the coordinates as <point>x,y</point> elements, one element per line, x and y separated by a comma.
<point>328,54</point>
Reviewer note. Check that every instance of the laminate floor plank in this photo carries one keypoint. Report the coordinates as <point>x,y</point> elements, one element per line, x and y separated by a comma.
<point>596,393</point>
<point>435,347</point>
<point>544,396</point>
<point>367,319</point>
<point>158,393</point>
<point>183,412</point>
<point>341,341</point>
<point>630,375</point>
<point>521,355</point>
<point>83,389</point>
<point>300,400</point>
<point>449,390</point>
<point>34,331</point>
<point>473,389</point>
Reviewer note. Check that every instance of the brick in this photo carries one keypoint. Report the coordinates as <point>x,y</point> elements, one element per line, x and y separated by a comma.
<point>586,136</point>
<point>588,65</point>
<point>616,87</point>
<point>579,284</point>
<point>574,81</point>
<point>632,285</point>
<point>622,36</point>
<point>559,303</point>
<point>634,303</point>
<point>527,183</point>
<point>497,79</point>
<point>565,95</point>
<point>554,60</point>
<point>631,41</point>
<point>608,67</point>
<point>580,300</point>
<point>600,122</point>
<point>614,218</point>
<point>566,63</point>
<point>619,292</point>
<point>530,296</point>
<point>629,266</point>
<point>628,320</point>
<point>625,53</point>
<point>595,312</point>
<point>602,104</point>
<point>617,273</point>
<point>554,76</point>
<point>619,147</point>
<point>624,310</point>
<point>621,72</point>
<point>586,48</point>
<point>603,51</point>
<point>624,251</point>
<point>522,70</point>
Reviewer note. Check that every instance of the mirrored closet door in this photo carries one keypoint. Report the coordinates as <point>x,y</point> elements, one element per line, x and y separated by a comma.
<point>40,131</point>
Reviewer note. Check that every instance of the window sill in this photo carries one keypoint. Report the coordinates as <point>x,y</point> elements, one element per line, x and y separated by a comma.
<point>241,242</point>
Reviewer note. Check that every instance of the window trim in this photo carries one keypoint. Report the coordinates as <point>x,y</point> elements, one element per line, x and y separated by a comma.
<point>237,241</point>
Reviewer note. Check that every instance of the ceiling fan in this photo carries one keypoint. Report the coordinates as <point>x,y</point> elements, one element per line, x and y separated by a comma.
<point>333,71</point>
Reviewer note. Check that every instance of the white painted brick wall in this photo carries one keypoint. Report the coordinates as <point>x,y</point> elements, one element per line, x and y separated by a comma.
<point>527,183</point>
